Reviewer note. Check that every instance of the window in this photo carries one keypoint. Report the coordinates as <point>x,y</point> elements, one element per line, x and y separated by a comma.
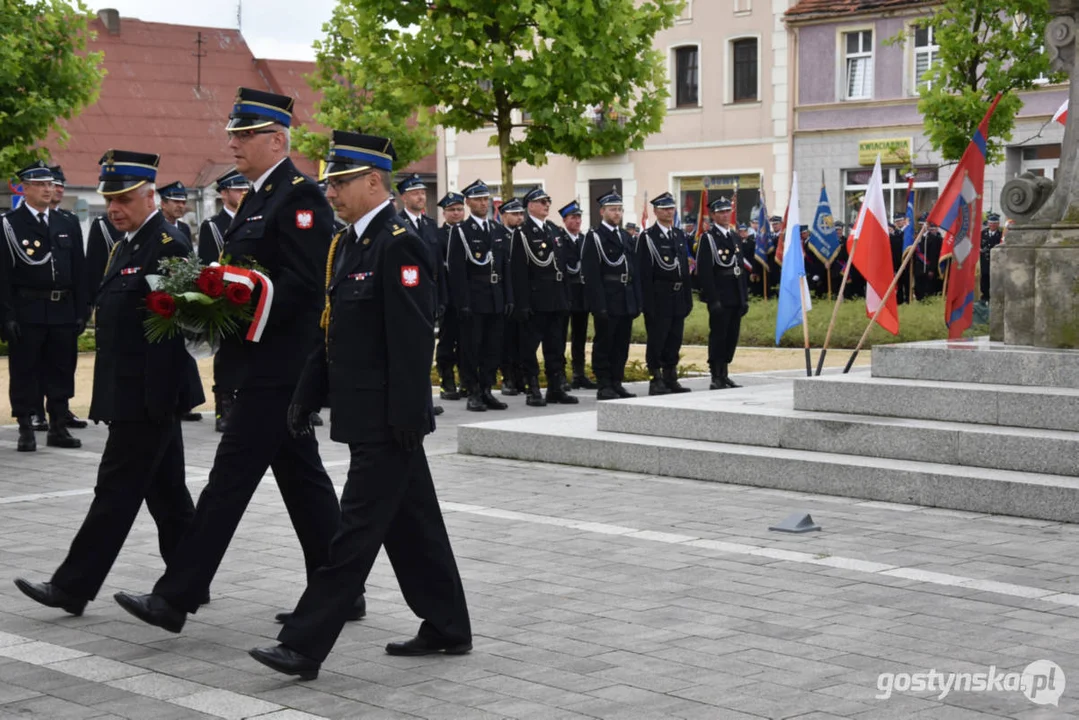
<point>926,55</point>
<point>686,76</point>
<point>743,7</point>
<point>687,13</point>
<point>926,190</point>
<point>689,197</point>
<point>859,65</point>
<point>744,53</point>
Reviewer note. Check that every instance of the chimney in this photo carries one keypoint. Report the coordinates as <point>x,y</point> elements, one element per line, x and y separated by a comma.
<point>111,19</point>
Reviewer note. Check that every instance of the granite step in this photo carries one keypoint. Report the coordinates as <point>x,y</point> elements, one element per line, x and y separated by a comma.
<point>572,439</point>
<point>978,361</point>
<point>764,416</point>
<point>1042,408</point>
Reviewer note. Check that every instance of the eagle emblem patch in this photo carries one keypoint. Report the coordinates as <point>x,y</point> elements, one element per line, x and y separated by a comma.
<point>305,219</point>
<point>410,275</point>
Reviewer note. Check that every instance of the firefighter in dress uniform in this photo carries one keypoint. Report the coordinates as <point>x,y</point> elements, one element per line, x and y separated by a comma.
<point>724,290</point>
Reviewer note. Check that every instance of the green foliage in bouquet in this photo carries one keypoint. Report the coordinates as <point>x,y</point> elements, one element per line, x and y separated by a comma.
<point>196,301</point>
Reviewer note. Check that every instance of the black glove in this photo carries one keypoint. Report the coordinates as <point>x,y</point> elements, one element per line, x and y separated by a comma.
<point>299,420</point>
<point>745,309</point>
<point>509,309</point>
<point>13,331</point>
<point>80,326</point>
<point>464,313</point>
<point>408,440</point>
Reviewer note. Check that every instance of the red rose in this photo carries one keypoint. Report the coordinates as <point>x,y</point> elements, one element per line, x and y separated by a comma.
<point>211,282</point>
<point>238,293</point>
<point>161,303</point>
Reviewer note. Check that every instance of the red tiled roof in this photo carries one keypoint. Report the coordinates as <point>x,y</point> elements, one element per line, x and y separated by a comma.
<point>828,8</point>
<point>149,101</point>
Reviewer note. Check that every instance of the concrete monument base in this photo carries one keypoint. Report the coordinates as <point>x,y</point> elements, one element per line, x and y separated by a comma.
<point>1035,288</point>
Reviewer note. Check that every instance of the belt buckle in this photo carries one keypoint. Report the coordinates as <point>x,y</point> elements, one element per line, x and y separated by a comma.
<point>678,285</point>
<point>737,271</point>
<point>494,278</point>
<point>558,275</point>
<point>624,278</point>
<point>56,295</point>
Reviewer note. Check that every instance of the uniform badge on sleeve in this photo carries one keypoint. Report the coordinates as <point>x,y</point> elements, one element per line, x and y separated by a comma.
<point>410,275</point>
<point>305,219</point>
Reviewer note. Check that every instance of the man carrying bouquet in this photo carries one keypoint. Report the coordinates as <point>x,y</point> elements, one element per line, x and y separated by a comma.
<point>375,367</point>
<point>140,389</point>
<point>284,225</point>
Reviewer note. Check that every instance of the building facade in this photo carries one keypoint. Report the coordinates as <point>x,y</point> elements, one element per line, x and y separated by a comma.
<point>726,124</point>
<point>857,66</point>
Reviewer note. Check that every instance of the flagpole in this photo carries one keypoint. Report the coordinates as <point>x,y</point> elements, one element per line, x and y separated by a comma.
<point>947,272</point>
<point>803,290</point>
<point>883,304</point>
<point>838,301</point>
<point>766,283</point>
<point>828,272</point>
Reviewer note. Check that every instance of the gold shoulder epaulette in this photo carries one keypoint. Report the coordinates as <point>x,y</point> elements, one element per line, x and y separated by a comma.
<point>297,180</point>
<point>165,239</point>
<point>396,230</point>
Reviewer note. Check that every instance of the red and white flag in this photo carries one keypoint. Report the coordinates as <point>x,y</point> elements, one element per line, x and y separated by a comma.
<point>1061,115</point>
<point>873,256</point>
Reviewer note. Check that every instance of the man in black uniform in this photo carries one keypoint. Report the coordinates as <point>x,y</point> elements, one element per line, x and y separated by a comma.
<point>575,326</point>
<point>666,295</point>
<point>414,199</point>
<point>513,214</point>
<point>991,237</point>
<point>613,292</point>
<point>482,292</point>
<point>173,207</point>
<point>43,308</point>
<point>59,183</point>
<point>895,236</point>
<point>926,261</point>
<point>541,300</point>
<point>283,225</point>
<point>379,329</point>
<point>140,388</point>
<point>447,354</point>
<point>723,289</point>
<point>231,187</point>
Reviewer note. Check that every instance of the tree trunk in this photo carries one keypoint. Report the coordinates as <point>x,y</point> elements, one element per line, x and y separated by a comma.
<point>507,164</point>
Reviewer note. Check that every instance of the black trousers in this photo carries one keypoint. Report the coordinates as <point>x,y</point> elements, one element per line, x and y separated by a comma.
<point>446,353</point>
<point>985,269</point>
<point>543,329</point>
<point>481,349</point>
<point>389,501</point>
<point>723,328</point>
<point>142,461</point>
<point>664,340</point>
<point>42,363</point>
<point>578,327</point>
<point>256,439</point>
<point>511,349</point>
<point>610,348</point>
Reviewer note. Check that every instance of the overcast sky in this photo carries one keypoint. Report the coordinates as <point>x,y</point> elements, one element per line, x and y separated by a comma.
<point>282,29</point>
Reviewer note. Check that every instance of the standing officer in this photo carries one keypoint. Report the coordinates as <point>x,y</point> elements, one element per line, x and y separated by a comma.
<point>482,293</point>
<point>447,353</point>
<point>575,325</point>
<point>723,288</point>
<point>173,207</point>
<point>513,214</point>
<point>283,225</point>
<point>59,183</point>
<point>140,388</point>
<point>991,237</point>
<point>231,187</point>
<point>613,292</point>
<point>541,300</point>
<point>895,236</point>
<point>666,295</point>
<point>43,308</point>
<point>379,322</point>
<point>929,267</point>
<point>414,199</point>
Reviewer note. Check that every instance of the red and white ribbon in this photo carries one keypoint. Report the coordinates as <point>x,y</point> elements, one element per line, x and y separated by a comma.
<point>253,278</point>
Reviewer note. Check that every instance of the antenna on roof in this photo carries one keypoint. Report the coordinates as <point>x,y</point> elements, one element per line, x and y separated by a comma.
<point>199,55</point>
<point>240,15</point>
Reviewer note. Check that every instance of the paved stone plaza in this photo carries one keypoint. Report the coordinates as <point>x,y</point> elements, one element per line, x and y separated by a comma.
<point>593,595</point>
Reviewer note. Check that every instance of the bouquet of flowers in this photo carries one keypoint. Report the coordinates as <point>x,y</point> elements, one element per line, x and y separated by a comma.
<point>205,304</point>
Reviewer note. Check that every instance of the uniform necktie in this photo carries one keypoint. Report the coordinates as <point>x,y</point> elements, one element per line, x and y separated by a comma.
<point>41,219</point>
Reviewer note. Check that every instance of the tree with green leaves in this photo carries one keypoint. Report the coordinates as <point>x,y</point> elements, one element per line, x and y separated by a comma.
<point>571,77</point>
<point>48,75</point>
<point>986,47</point>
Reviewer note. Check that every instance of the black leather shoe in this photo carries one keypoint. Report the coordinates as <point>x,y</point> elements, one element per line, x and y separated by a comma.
<point>581,382</point>
<point>492,402</point>
<point>153,610</point>
<point>27,441</point>
<point>358,611</point>
<point>51,596</point>
<point>670,378</point>
<point>58,436</point>
<point>286,661</point>
<point>657,387</point>
<point>39,423</point>
<point>509,388</point>
<point>475,403</point>
<point>73,421</point>
<point>316,420</point>
<point>449,393</point>
<point>438,410</point>
<point>191,417</point>
<point>727,382</point>
<point>622,392</point>
<point>717,384</point>
<point>606,393</point>
<point>425,646</point>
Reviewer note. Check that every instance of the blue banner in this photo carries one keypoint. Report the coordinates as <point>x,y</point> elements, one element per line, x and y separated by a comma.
<point>823,239</point>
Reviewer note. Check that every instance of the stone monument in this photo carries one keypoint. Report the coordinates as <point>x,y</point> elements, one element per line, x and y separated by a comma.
<point>1035,275</point>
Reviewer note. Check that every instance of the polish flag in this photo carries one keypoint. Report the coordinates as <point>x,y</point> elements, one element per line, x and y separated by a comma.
<point>873,256</point>
<point>1061,115</point>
